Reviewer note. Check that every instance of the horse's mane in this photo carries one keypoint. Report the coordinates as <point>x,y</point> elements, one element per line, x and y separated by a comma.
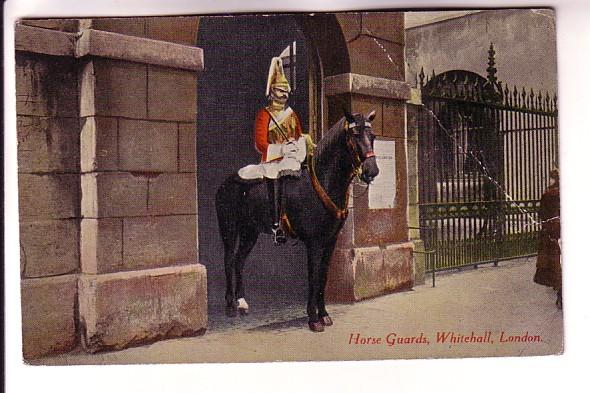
<point>329,139</point>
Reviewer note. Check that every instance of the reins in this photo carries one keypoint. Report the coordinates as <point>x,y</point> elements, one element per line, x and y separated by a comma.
<point>338,213</point>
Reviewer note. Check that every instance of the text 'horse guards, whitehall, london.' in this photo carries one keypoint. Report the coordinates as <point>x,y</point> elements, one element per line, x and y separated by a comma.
<point>312,202</point>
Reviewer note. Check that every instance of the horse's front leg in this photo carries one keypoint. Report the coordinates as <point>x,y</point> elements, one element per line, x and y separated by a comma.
<point>248,238</point>
<point>230,301</point>
<point>324,266</point>
<point>314,258</point>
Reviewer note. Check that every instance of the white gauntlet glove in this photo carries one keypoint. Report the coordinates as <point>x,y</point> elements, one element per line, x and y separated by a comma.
<point>290,149</point>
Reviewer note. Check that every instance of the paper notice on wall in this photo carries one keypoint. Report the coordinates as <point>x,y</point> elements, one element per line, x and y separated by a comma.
<point>382,190</point>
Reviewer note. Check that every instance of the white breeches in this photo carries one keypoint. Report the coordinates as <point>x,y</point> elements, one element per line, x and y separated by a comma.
<point>290,162</point>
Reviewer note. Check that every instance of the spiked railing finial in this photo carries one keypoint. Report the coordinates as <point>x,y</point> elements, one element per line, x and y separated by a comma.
<point>491,65</point>
<point>421,76</point>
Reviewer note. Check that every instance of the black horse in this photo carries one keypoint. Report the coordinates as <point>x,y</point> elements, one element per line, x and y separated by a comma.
<point>316,212</point>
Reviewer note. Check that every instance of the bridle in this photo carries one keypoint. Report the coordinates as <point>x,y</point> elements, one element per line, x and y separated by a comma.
<point>357,162</point>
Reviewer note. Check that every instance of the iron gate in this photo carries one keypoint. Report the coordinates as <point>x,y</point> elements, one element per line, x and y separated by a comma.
<point>485,152</point>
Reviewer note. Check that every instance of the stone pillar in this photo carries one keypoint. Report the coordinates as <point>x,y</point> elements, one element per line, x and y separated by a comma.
<point>49,200</point>
<point>140,278</point>
<point>114,195</point>
<point>374,253</point>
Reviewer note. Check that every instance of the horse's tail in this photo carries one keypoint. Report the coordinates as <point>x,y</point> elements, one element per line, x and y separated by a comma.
<point>227,204</point>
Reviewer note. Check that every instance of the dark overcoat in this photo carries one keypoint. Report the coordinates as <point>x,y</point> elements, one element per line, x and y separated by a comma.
<point>548,259</point>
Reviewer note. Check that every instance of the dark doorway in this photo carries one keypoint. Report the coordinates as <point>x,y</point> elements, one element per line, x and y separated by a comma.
<point>237,52</point>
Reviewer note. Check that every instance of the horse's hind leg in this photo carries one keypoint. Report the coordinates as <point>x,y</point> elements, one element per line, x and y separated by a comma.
<point>248,238</point>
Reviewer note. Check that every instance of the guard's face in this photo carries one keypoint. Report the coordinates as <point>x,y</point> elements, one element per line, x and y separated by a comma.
<point>280,94</point>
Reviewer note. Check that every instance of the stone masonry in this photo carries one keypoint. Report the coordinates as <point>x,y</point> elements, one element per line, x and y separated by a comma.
<point>373,255</point>
<point>107,183</point>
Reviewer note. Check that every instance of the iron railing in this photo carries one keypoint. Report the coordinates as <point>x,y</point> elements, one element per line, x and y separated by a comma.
<point>485,152</point>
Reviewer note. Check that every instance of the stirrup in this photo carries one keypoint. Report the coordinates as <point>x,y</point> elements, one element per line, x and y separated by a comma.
<point>278,234</point>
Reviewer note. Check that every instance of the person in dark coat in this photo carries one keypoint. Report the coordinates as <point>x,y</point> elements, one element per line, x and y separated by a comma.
<point>548,259</point>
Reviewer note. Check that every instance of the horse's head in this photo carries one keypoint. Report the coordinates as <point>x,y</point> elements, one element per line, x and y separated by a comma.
<point>360,139</point>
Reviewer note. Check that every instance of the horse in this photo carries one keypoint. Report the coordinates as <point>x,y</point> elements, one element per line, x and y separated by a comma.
<point>315,204</point>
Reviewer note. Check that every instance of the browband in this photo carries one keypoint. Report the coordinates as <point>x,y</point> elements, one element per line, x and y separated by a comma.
<point>352,125</point>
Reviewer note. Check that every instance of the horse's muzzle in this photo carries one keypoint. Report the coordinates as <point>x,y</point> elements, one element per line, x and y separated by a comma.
<point>370,170</point>
<point>367,179</point>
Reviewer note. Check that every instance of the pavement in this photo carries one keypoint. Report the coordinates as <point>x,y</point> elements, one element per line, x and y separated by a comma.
<point>489,311</point>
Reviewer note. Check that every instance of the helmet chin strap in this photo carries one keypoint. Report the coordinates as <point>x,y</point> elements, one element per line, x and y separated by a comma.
<point>278,100</point>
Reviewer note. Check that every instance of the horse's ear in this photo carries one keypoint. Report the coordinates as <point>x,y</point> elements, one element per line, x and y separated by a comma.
<point>349,117</point>
<point>371,116</point>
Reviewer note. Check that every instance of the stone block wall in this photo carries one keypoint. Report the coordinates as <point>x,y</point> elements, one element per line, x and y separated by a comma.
<point>373,255</point>
<point>49,200</point>
<point>139,226</point>
<point>107,183</point>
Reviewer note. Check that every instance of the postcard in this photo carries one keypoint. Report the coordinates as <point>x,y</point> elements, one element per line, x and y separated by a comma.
<point>360,185</point>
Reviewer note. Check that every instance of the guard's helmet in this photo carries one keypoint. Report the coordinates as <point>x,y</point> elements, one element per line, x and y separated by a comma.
<point>276,76</point>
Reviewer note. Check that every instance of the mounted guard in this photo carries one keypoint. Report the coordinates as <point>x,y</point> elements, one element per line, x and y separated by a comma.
<point>279,138</point>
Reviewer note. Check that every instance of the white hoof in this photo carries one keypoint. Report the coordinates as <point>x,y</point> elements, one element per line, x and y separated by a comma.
<point>242,306</point>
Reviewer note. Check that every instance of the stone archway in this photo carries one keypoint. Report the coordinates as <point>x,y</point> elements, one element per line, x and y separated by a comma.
<point>238,51</point>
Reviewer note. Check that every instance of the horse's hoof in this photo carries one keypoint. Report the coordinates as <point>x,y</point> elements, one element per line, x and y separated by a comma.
<point>231,311</point>
<point>242,306</point>
<point>326,321</point>
<point>316,326</point>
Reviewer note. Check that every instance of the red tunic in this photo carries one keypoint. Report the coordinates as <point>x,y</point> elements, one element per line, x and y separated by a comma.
<point>262,136</point>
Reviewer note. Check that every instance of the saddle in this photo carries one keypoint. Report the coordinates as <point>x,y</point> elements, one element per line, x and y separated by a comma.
<point>246,182</point>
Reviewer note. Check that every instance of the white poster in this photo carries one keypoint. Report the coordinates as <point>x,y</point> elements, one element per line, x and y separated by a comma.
<point>382,190</point>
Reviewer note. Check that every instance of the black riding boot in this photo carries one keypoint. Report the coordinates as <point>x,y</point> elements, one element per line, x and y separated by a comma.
<point>274,196</point>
